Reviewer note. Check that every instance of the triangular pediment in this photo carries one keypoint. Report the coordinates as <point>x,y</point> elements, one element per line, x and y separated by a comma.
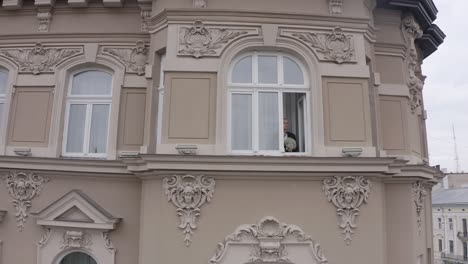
<point>76,209</point>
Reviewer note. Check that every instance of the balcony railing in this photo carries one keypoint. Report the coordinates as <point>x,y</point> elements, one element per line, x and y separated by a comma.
<point>452,258</point>
<point>463,236</point>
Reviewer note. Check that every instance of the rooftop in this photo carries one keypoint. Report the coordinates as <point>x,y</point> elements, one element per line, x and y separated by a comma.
<point>455,196</point>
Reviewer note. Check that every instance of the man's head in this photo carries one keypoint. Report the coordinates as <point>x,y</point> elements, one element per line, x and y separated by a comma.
<point>285,125</point>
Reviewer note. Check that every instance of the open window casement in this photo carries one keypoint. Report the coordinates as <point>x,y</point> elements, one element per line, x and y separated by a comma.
<point>76,223</point>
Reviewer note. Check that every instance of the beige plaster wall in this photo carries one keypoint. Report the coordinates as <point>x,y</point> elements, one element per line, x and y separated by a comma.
<point>346,112</point>
<point>189,108</point>
<point>119,196</point>
<point>353,8</point>
<point>394,125</point>
<point>132,119</point>
<point>30,116</point>
<point>238,202</point>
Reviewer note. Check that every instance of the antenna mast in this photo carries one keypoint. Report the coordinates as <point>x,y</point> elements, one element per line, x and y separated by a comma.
<point>457,162</point>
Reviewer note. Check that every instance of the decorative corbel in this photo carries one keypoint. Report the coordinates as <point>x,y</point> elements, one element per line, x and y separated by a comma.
<point>347,194</point>
<point>44,16</point>
<point>23,188</point>
<point>335,7</point>
<point>189,193</point>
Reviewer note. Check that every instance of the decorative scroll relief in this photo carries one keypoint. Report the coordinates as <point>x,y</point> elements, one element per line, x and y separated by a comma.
<point>23,188</point>
<point>45,237</point>
<point>189,193</point>
<point>76,239</point>
<point>347,194</point>
<point>419,195</point>
<point>412,31</point>
<point>202,41</point>
<point>134,59</point>
<point>333,46</point>
<point>39,59</point>
<point>269,242</point>
<point>108,242</point>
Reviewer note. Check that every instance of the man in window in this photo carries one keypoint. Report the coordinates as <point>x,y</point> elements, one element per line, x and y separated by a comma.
<point>290,141</point>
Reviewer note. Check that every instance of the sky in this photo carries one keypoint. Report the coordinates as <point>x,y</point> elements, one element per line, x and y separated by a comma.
<point>446,88</point>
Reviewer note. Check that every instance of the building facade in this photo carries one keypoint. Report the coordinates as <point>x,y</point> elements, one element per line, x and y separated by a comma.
<point>215,131</point>
<point>450,216</point>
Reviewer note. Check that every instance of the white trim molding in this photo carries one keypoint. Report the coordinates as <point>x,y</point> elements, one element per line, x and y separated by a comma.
<point>189,193</point>
<point>347,193</point>
<point>269,242</point>
<point>75,223</point>
<point>23,188</point>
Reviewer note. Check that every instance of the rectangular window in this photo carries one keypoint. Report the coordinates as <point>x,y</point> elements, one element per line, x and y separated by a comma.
<point>451,246</point>
<point>87,129</point>
<point>450,220</point>
<point>465,251</point>
<point>440,245</point>
<point>439,222</point>
<point>268,121</point>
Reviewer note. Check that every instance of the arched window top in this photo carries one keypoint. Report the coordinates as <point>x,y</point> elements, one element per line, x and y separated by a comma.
<point>268,69</point>
<point>91,82</point>
<point>3,81</point>
<point>78,258</point>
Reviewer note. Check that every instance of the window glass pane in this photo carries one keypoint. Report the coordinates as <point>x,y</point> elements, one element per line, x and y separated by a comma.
<point>242,72</point>
<point>292,72</point>
<point>3,81</point>
<point>294,107</point>
<point>76,128</point>
<point>268,121</point>
<point>92,83</point>
<point>267,69</point>
<point>98,133</point>
<point>1,112</point>
<point>77,258</point>
<point>241,123</point>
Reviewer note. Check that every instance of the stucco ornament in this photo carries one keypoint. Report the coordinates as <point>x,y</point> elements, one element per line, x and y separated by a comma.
<point>199,40</point>
<point>76,239</point>
<point>335,7</point>
<point>199,3</point>
<point>108,242</point>
<point>268,242</point>
<point>44,16</point>
<point>39,59</point>
<point>189,193</point>
<point>412,31</point>
<point>135,59</point>
<point>335,46</point>
<point>347,194</point>
<point>419,195</point>
<point>23,187</point>
<point>45,237</point>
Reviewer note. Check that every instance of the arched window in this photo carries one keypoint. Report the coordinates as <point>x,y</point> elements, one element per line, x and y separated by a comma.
<point>78,258</point>
<point>268,104</point>
<point>3,91</point>
<point>88,106</point>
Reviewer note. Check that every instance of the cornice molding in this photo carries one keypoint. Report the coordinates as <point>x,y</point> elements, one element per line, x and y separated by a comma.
<point>254,18</point>
<point>425,13</point>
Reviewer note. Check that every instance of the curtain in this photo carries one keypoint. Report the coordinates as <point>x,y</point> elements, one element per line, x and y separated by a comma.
<point>241,122</point>
<point>268,117</point>
<point>99,128</point>
<point>76,128</point>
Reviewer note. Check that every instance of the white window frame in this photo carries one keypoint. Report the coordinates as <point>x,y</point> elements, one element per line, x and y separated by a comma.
<point>280,87</point>
<point>89,101</point>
